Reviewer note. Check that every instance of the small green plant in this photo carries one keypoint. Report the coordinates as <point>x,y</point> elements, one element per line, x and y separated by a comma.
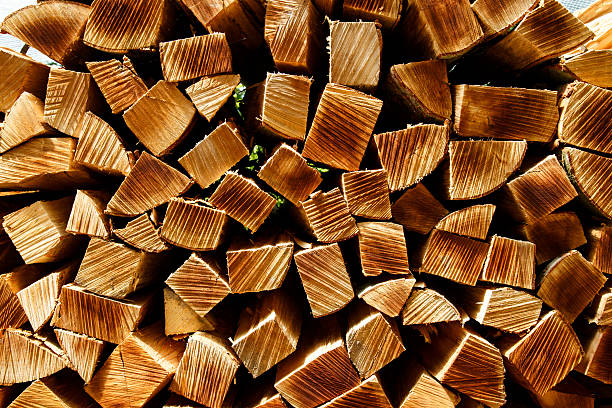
<point>256,158</point>
<point>239,93</point>
<point>322,170</point>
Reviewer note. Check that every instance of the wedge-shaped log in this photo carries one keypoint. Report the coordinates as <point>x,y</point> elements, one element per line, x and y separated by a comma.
<point>83,352</point>
<point>328,216</point>
<point>87,216</point>
<point>418,210</point>
<point>210,93</point>
<point>341,128</point>
<point>367,193</point>
<point>388,296</point>
<point>325,279</point>
<point>568,393</point>
<point>20,74</point>
<point>180,318</point>
<point>592,66</point>
<point>426,306</point>
<point>555,234</point>
<point>595,363</point>
<point>473,221</point>
<point>499,18</point>
<point>24,121</point>
<point>369,392</point>
<point>61,390</point>
<point>382,248</point>
<point>386,12</point>
<point>600,245</point>
<point>118,81</point>
<point>13,315</point>
<point>510,262</point>
<point>600,311</point>
<point>141,233</point>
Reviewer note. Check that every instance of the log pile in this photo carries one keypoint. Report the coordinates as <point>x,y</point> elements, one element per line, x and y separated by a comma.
<point>306,203</point>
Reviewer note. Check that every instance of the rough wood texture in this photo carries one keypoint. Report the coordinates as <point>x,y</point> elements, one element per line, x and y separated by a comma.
<point>410,154</point>
<point>82,351</point>
<point>56,391</point>
<point>596,362</point>
<point>600,311</point>
<point>426,306</point>
<point>161,133</point>
<point>13,315</point>
<point>592,66</point>
<point>119,83</point>
<point>554,234</point>
<point>328,216</point>
<point>600,242</point>
<point>382,248</point>
<point>510,262</point>
<point>210,93</point>
<point>341,128</point>
<point>497,17</point>
<point>388,296</point>
<point>325,279</point>
<point>193,57</point>
<point>505,113</point>
<point>471,221</point>
<point>141,233</point>
<point>568,393</point>
<point>369,392</point>
<point>367,194</point>
<point>24,121</point>
<point>479,167</point>
<point>180,318</point>
<point>418,210</point>
<point>385,12</point>
<point>87,216</point>
<point>20,73</point>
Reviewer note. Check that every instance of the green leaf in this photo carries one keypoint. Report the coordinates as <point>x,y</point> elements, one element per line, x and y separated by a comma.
<point>322,170</point>
<point>239,93</point>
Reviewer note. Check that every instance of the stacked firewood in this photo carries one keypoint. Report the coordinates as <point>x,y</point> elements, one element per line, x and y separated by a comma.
<point>306,203</point>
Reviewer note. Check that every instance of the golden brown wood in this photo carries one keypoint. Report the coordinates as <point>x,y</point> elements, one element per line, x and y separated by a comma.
<point>568,393</point>
<point>473,221</point>
<point>180,318</point>
<point>597,18</point>
<point>592,66</point>
<point>369,392</point>
<point>210,93</point>
<point>600,242</point>
<point>388,296</point>
<point>13,315</point>
<point>595,362</point>
<point>56,391</point>
<point>600,311</point>
<point>119,83</point>
<point>82,351</point>
<point>367,193</point>
<point>385,12</point>
<point>510,262</point>
<point>382,248</point>
<point>20,73</point>
<point>554,234</point>
<point>498,17</point>
<point>87,216</point>
<point>24,121</point>
<point>418,210</point>
<point>426,306</point>
<point>328,216</point>
<point>141,233</point>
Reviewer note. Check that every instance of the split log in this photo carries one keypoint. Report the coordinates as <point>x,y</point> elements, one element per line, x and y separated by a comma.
<point>597,19</point>
<point>369,392</point>
<point>119,26</point>
<point>56,391</point>
<point>505,113</point>
<point>161,133</point>
<point>382,248</point>
<point>206,370</point>
<point>542,358</point>
<point>24,121</point>
<point>554,234</point>
<point>53,28</point>
<point>319,370</point>
<point>267,334</point>
<point>422,89</point>
<point>418,210</point>
<point>600,248</point>
<point>82,351</point>
<point>87,216</point>
<point>355,50</point>
<point>210,93</point>
<point>119,83</point>
<point>569,284</point>
<point>99,317</point>
<point>592,66</point>
<point>388,296</point>
<point>510,262</point>
<point>328,216</point>
<point>568,393</point>
<point>499,18</point>
<point>20,74</point>
<point>288,173</point>
<point>243,200</point>
<point>141,233</point>
<point>137,369</point>
<point>193,57</point>
<point>150,183</point>
<point>595,362</point>
<point>411,154</point>
<point>180,318</point>
<point>471,221</point>
<point>342,127</point>
<point>479,167</point>
<point>214,155</point>
<point>39,231</point>
<point>193,225</point>
<point>13,315</point>
<point>367,194</point>
<point>325,279</point>
<point>385,12</point>
<point>426,306</point>
<point>600,311</point>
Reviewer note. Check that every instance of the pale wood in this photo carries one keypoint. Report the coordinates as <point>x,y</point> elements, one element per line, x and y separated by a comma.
<point>600,241</point>
<point>592,66</point>
<point>597,18</point>
<point>426,306</point>
<point>20,73</point>
<point>473,221</point>
<point>595,362</point>
<point>385,12</point>
<point>342,142</point>
<point>510,262</point>
<point>554,234</point>
<point>82,351</point>
<point>324,278</point>
<point>161,133</point>
<point>368,393</point>
<point>214,155</point>
<point>388,296</point>
<point>367,193</point>
<point>180,318</point>
<point>498,17</point>
<point>479,167</point>
<point>210,93</point>
<point>87,216</point>
<point>382,248</point>
<point>328,216</point>
<point>150,183</point>
<point>13,315</point>
<point>193,57</point>
<point>24,121</point>
<point>600,311</point>
<point>410,154</point>
<point>418,210</point>
<point>142,234</point>
<point>56,391</point>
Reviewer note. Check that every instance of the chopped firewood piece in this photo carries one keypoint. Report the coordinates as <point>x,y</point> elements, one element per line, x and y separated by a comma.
<point>177,401</point>
<point>600,312</point>
<point>410,154</point>
<point>479,167</point>
<point>372,339</point>
<point>193,225</point>
<point>418,210</point>
<point>150,183</point>
<point>510,262</point>
<point>20,73</point>
<point>505,113</point>
<point>161,133</point>
<point>471,221</point>
<point>328,216</point>
<point>454,257</point>
<point>596,362</point>
<point>206,370</point>
<point>592,66</point>
<point>26,357</point>
<point>199,283</point>
<point>382,248</point>
<point>325,279</point>
<point>69,95</point>
<point>119,84</point>
<point>426,306</point>
<point>368,393</point>
<point>319,370</point>
<point>468,363</point>
<point>569,284</point>
<point>115,270</point>
<point>39,231</point>
<point>61,390</point>
<point>568,393</point>
<point>498,18</point>
<point>12,314</point>
<point>267,334</point>
<point>385,12</point>
<point>539,191</point>
<point>288,173</point>
<point>82,351</point>
<point>141,233</point>
<point>210,93</point>
<point>100,147</point>
<point>258,266</point>
<point>54,28</point>
<point>119,26</point>
<point>586,116</point>
<point>554,235</point>
<point>600,248</point>
<point>293,31</point>
<point>597,18</point>
<point>137,369</point>
<point>388,296</point>
<point>243,200</point>
<point>444,30</point>
<point>24,121</point>
<point>422,89</point>
<point>215,154</point>
<point>543,357</point>
<point>87,216</point>
<point>193,57</point>
<point>180,318</point>
<point>367,194</point>
<point>96,316</point>
<point>355,50</point>
<point>342,127</point>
